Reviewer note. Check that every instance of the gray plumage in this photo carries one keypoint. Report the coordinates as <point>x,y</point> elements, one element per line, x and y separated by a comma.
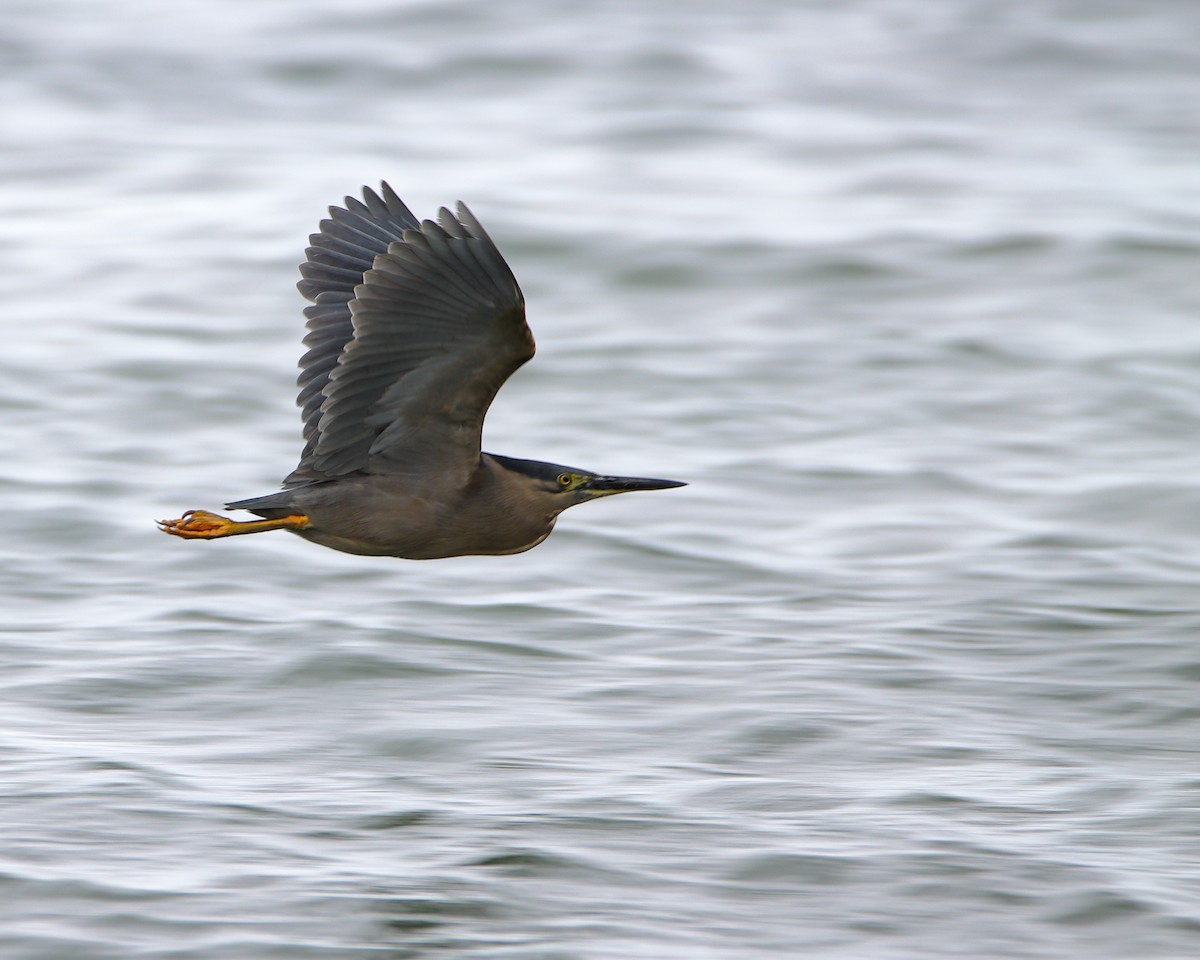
<point>414,327</point>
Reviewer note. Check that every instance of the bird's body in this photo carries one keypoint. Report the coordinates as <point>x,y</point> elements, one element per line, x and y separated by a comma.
<point>414,327</point>
<point>414,518</point>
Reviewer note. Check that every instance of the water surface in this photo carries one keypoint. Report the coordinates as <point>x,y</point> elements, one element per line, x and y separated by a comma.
<point>906,291</point>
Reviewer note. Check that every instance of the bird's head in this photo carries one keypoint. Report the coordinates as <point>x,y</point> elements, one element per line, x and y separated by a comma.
<point>561,487</point>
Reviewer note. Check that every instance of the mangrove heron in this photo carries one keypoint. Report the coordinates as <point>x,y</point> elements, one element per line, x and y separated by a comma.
<point>415,325</point>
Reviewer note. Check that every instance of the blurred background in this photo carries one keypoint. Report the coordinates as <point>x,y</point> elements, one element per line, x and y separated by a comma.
<point>906,290</point>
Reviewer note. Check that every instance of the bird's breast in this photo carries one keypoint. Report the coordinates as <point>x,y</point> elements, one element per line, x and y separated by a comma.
<point>385,519</point>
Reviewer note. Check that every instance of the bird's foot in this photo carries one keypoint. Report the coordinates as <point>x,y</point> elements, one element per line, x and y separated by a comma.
<point>198,525</point>
<point>202,525</point>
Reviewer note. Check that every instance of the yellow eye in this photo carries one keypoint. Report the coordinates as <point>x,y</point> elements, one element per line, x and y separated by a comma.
<point>564,479</point>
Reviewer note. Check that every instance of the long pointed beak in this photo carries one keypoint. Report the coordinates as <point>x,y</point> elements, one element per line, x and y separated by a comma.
<point>604,486</point>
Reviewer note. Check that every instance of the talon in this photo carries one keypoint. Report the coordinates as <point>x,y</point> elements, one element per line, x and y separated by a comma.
<point>198,525</point>
<point>202,525</point>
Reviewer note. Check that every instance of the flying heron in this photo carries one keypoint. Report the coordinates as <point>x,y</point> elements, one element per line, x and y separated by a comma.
<point>415,325</point>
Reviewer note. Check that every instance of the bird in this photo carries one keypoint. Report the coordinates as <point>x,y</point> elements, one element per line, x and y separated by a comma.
<point>413,328</point>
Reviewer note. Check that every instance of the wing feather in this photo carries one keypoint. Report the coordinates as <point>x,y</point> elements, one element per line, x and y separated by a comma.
<point>414,327</point>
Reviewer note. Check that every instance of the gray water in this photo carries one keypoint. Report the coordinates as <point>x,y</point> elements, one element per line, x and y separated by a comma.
<point>906,290</point>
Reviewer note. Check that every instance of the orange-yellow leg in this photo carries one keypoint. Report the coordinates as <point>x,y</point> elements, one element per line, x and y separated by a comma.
<point>202,525</point>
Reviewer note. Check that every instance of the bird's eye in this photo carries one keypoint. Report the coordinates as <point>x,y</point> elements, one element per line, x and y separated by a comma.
<point>564,479</point>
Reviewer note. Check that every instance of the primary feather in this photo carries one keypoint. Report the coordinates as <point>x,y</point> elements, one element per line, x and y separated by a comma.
<point>415,326</point>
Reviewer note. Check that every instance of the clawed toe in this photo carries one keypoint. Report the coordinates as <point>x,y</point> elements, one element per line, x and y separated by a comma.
<point>197,525</point>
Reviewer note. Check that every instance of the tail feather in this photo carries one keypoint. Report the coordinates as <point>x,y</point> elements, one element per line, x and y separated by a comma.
<point>282,500</point>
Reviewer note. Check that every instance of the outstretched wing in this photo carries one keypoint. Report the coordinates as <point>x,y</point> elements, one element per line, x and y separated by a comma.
<point>415,327</point>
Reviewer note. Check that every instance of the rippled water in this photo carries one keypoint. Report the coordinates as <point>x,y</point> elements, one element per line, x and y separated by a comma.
<point>907,291</point>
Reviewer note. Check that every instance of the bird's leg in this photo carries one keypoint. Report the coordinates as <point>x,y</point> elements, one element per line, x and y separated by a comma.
<point>202,525</point>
